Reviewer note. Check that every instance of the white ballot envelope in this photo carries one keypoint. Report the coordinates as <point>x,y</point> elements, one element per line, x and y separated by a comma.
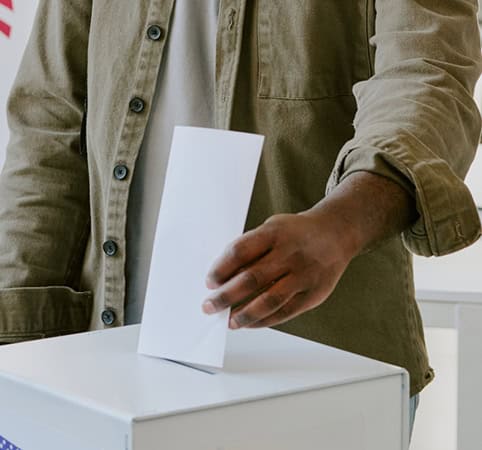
<point>208,187</point>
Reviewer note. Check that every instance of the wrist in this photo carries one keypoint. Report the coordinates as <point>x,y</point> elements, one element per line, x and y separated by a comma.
<point>335,222</point>
<point>364,210</point>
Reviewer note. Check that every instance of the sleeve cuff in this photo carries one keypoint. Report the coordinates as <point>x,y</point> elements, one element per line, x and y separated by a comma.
<point>371,160</point>
<point>448,218</point>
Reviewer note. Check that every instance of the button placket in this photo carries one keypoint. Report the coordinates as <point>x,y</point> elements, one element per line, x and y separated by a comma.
<point>227,58</point>
<point>130,140</point>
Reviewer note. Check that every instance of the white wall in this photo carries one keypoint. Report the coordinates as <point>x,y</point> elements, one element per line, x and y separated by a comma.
<point>436,422</point>
<point>474,177</point>
<point>11,49</point>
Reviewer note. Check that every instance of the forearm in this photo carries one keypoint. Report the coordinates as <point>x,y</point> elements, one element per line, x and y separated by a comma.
<point>416,115</point>
<point>365,209</point>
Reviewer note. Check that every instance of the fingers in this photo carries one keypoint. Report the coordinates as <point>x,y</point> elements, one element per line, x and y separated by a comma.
<point>242,252</point>
<point>297,305</point>
<point>266,304</point>
<point>283,268</point>
<point>247,283</point>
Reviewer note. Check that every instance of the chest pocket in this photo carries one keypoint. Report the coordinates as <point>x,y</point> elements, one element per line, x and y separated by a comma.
<point>311,49</point>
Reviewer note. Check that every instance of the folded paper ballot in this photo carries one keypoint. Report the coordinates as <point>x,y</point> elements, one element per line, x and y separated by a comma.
<point>208,187</point>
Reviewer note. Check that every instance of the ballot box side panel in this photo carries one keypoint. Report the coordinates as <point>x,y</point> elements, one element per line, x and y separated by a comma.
<point>368,415</point>
<point>32,419</point>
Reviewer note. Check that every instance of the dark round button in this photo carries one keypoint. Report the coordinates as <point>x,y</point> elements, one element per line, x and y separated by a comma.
<point>137,105</point>
<point>120,172</point>
<point>110,248</point>
<point>155,32</point>
<point>108,316</point>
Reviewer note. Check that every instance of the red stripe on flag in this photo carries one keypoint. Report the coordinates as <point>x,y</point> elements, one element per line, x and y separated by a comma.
<point>7,3</point>
<point>5,28</point>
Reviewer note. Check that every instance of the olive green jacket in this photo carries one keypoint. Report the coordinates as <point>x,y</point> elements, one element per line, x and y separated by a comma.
<point>336,86</point>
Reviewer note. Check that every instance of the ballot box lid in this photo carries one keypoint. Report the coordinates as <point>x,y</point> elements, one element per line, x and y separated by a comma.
<point>102,370</point>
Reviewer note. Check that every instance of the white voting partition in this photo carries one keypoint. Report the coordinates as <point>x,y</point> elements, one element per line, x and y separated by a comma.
<point>93,391</point>
<point>449,292</point>
<point>474,178</point>
<point>16,18</point>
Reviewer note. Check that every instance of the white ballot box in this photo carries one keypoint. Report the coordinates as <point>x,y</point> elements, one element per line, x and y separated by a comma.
<point>93,391</point>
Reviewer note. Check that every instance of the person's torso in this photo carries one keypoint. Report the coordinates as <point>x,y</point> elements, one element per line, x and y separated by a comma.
<point>284,69</point>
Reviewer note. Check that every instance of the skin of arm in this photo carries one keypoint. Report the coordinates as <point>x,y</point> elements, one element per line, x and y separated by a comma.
<point>292,262</point>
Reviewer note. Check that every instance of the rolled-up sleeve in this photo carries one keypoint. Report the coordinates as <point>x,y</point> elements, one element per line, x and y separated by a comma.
<point>44,186</point>
<point>417,123</point>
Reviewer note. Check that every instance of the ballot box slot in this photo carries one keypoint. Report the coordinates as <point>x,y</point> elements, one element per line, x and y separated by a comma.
<point>202,369</point>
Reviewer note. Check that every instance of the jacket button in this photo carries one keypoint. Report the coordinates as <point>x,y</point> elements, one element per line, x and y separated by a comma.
<point>110,248</point>
<point>120,172</point>
<point>137,105</point>
<point>155,32</point>
<point>108,316</point>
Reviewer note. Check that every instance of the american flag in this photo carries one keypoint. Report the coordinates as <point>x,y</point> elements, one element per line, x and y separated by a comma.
<point>5,28</point>
<point>7,445</point>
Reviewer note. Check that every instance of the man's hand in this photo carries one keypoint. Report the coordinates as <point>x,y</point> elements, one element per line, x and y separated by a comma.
<point>292,262</point>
